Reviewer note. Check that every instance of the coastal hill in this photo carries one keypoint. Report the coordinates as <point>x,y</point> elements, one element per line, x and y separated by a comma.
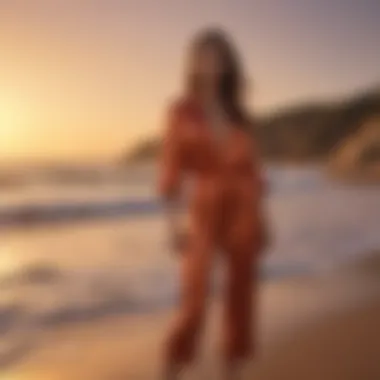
<point>315,132</point>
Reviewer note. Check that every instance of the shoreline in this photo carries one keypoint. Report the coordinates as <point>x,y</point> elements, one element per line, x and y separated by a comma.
<point>297,315</point>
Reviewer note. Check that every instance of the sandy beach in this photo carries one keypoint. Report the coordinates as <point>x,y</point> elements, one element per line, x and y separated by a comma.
<point>320,327</point>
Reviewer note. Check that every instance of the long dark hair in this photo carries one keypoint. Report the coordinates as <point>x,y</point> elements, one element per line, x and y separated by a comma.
<point>231,86</point>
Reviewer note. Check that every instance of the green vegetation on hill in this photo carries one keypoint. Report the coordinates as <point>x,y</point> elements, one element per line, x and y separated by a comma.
<point>302,133</point>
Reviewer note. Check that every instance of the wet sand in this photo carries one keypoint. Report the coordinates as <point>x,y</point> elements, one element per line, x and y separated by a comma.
<point>323,327</point>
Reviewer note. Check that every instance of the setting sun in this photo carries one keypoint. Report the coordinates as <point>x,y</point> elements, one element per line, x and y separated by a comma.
<point>13,120</point>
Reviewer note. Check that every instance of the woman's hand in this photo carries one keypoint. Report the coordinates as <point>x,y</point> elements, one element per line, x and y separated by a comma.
<point>265,236</point>
<point>179,241</point>
<point>177,227</point>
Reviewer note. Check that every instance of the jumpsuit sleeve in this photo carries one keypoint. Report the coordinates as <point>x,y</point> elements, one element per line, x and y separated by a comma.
<point>258,168</point>
<point>262,189</point>
<point>170,163</point>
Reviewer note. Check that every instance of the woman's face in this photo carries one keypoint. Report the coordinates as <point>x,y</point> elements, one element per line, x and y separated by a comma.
<point>208,63</point>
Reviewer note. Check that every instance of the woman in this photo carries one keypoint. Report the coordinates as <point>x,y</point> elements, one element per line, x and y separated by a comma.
<point>208,139</point>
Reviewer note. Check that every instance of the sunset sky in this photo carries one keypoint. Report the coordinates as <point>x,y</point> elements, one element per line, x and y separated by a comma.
<point>84,79</point>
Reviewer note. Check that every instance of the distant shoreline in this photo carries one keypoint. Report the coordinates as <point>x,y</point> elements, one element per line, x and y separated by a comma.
<point>134,196</point>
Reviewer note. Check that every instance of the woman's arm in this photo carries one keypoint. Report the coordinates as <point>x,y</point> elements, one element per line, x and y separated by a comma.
<point>262,190</point>
<point>170,176</point>
<point>258,172</point>
<point>170,166</point>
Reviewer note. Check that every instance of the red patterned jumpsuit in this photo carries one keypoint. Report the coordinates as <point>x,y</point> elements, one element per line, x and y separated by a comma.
<point>225,212</point>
